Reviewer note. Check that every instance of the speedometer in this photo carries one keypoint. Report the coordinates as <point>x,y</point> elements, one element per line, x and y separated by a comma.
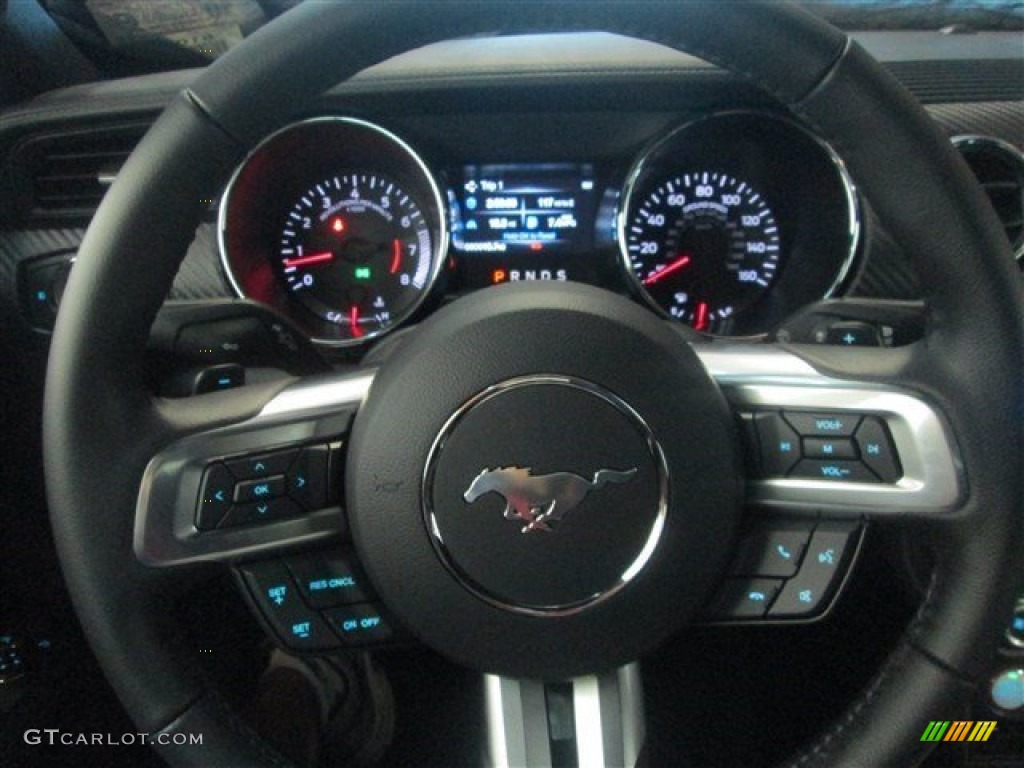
<point>702,246</point>
<point>733,221</point>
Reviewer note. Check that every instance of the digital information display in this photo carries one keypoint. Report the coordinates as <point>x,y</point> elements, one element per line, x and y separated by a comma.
<point>524,222</point>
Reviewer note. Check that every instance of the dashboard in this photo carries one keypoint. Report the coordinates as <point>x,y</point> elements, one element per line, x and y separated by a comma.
<point>728,223</point>
<point>600,159</point>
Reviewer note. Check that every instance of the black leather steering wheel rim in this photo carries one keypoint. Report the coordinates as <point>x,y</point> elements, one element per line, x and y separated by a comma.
<point>102,425</point>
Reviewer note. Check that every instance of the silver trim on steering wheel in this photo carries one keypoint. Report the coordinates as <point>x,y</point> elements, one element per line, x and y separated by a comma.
<point>752,377</point>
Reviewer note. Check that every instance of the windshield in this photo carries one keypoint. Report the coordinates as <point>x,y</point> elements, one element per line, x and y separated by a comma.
<point>920,14</point>
<point>133,36</point>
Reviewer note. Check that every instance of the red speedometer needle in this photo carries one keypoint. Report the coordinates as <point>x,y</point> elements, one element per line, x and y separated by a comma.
<point>700,322</point>
<point>679,263</point>
<point>310,260</point>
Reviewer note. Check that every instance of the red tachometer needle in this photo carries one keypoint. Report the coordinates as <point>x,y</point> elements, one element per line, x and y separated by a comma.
<point>396,256</point>
<point>310,260</point>
<point>679,263</point>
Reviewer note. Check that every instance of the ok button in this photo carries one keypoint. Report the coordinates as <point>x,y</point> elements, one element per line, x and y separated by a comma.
<point>260,489</point>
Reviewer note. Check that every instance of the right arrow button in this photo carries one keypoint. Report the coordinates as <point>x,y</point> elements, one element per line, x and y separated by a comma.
<point>307,479</point>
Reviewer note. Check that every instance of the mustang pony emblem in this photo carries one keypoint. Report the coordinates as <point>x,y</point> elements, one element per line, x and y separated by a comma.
<point>539,500</point>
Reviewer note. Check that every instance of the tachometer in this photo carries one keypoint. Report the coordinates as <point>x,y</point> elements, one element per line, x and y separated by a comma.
<point>702,246</point>
<point>337,223</point>
<point>356,250</point>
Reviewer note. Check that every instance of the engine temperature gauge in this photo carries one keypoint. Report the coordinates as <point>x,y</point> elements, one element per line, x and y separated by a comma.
<point>356,250</point>
<point>702,246</point>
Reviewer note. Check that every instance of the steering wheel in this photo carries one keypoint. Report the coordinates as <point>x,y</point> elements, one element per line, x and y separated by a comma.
<point>619,386</point>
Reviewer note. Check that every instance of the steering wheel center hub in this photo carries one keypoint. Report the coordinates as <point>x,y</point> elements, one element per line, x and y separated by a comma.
<point>545,467</point>
<point>545,494</point>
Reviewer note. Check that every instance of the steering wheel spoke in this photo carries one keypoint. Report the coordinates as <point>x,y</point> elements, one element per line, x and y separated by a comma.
<point>838,447</point>
<point>258,485</point>
<point>594,720</point>
<point>826,456</point>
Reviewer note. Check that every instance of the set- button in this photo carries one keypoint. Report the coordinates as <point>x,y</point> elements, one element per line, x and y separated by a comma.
<point>253,489</point>
<point>833,447</point>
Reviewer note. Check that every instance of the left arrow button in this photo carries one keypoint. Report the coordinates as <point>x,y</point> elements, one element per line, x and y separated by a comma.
<point>215,496</point>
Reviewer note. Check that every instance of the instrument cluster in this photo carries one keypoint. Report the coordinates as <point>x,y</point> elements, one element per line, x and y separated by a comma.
<point>728,223</point>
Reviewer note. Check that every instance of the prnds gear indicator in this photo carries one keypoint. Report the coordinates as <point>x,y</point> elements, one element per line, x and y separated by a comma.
<point>524,221</point>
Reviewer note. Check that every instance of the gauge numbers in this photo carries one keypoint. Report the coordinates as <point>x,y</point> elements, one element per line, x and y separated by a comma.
<point>356,250</point>
<point>701,246</point>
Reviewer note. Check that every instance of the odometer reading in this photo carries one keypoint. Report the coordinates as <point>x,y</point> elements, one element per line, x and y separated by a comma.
<point>356,250</point>
<point>702,246</point>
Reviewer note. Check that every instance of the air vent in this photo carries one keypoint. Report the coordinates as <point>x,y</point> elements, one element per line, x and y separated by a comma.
<point>999,167</point>
<point>66,175</point>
